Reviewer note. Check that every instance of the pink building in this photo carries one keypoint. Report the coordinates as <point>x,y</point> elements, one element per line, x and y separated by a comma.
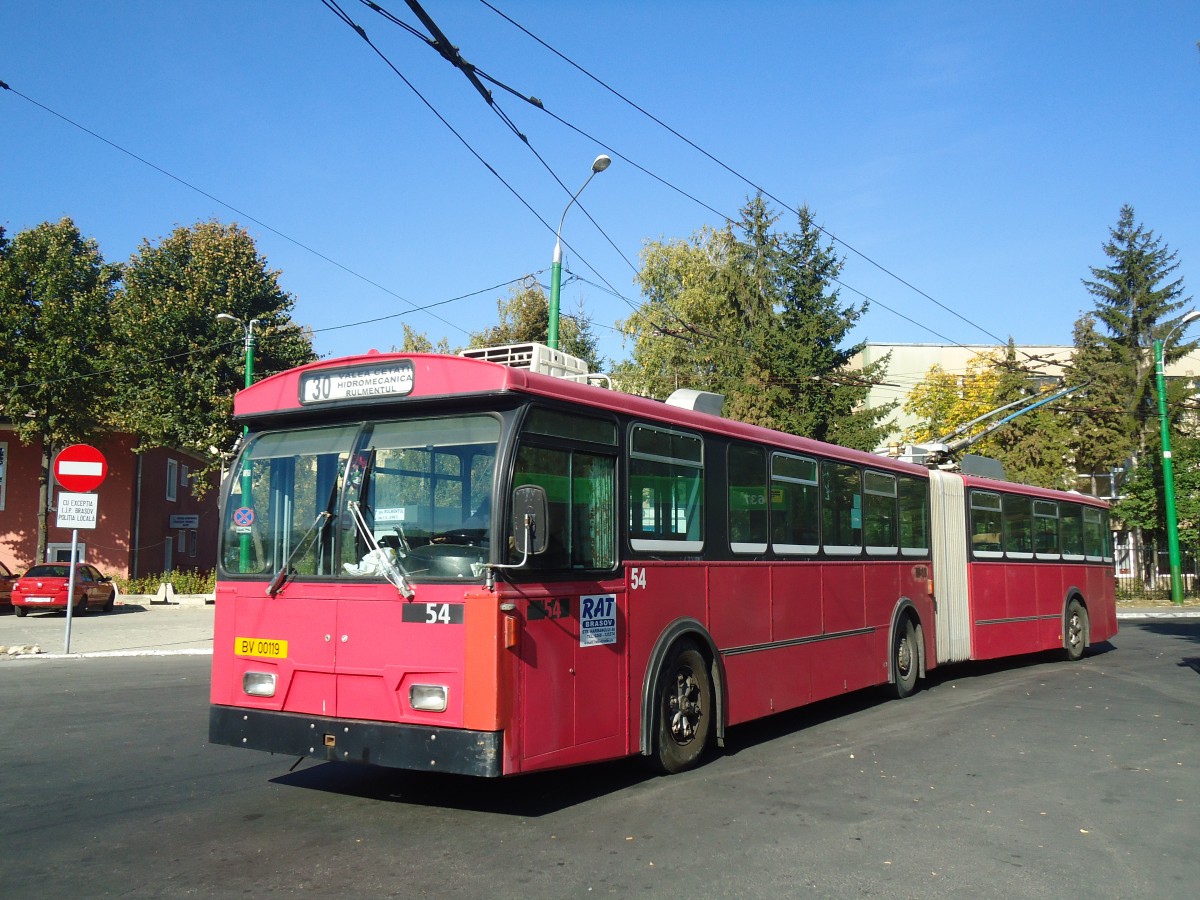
<point>150,519</point>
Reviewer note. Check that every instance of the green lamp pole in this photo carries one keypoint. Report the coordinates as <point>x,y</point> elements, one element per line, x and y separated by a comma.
<point>1168,465</point>
<point>247,474</point>
<point>601,163</point>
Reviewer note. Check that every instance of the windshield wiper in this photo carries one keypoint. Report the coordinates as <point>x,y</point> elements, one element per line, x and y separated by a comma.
<point>281,576</point>
<point>393,569</point>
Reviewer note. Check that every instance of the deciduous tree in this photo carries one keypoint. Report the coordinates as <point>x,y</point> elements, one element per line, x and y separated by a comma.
<point>944,401</point>
<point>55,289</point>
<point>525,317</point>
<point>417,342</point>
<point>177,366</point>
<point>1034,447</point>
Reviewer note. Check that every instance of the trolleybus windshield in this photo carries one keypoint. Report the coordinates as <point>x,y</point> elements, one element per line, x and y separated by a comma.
<point>329,502</point>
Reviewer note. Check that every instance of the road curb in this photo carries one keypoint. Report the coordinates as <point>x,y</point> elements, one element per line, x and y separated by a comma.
<point>107,654</point>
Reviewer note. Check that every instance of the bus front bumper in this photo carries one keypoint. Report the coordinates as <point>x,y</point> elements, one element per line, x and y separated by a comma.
<point>419,747</point>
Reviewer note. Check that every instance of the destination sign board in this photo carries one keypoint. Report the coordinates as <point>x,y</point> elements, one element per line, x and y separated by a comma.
<point>379,381</point>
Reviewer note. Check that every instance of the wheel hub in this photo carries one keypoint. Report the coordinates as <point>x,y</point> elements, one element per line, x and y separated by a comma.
<point>685,708</point>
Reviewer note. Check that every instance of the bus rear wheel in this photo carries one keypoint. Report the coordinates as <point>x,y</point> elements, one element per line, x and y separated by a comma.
<point>1075,639</point>
<point>906,660</point>
<point>683,714</point>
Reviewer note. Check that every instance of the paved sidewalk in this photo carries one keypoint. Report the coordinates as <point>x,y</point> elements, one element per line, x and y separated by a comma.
<point>1158,612</point>
<point>133,628</point>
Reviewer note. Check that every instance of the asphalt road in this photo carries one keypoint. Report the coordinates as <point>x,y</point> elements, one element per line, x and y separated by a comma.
<point>1035,778</point>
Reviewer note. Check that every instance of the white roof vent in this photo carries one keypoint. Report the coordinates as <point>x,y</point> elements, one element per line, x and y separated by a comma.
<point>699,401</point>
<point>535,358</point>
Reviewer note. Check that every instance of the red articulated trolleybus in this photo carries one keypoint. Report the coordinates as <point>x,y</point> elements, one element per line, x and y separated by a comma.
<point>455,564</point>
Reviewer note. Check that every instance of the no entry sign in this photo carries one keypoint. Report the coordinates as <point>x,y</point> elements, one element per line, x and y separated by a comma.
<point>80,468</point>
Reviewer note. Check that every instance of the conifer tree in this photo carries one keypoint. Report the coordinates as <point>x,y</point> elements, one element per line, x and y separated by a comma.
<point>1136,303</point>
<point>754,313</point>
<point>1137,300</point>
<point>1101,415</point>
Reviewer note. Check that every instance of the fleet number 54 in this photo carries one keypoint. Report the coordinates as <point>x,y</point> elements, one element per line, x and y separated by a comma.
<point>637,579</point>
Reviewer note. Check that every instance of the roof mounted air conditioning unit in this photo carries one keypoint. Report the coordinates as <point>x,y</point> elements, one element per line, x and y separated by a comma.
<point>534,357</point>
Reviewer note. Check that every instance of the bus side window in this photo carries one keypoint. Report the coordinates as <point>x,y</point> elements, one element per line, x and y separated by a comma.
<point>747,492</point>
<point>841,508</point>
<point>1095,538</point>
<point>914,516</point>
<point>579,489</point>
<point>985,524</point>
<point>1018,526</point>
<point>795,505</point>
<point>1045,529</point>
<point>666,490</point>
<point>881,513</point>
<point>1072,530</point>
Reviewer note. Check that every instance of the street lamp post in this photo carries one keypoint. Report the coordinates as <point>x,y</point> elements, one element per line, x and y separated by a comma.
<point>601,163</point>
<point>247,474</point>
<point>1168,465</point>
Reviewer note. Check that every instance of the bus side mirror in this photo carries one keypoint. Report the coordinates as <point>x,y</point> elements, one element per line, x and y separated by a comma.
<point>530,519</point>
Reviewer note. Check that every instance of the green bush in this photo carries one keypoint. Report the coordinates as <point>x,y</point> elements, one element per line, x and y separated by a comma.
<point>185,581</point>
<point>147,584</point>
<point>193,581</point>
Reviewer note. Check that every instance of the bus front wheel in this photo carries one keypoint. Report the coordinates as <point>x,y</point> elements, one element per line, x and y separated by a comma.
<point>683,709</point>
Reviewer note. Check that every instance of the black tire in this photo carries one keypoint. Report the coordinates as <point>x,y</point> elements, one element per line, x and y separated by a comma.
<point>1075,631</point>
<point>81,606</point>
<point>906,660</point>
<point>683,710</point>
<point>110,602</point>
<point>19,611</point>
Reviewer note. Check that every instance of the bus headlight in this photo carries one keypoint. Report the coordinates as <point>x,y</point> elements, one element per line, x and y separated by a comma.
<point>259,684</point>
<point>427,697</point>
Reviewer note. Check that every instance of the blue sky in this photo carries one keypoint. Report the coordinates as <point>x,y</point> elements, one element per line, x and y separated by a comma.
<point>980,152</point>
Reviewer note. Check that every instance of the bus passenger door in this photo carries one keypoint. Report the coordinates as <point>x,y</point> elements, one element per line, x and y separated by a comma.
<point>571,652</point>
<point>548,666</point>
<point>573,639</point>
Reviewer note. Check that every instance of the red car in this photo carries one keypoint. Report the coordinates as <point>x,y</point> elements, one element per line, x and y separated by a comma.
<point>45,587</point>
<point>6,584</point>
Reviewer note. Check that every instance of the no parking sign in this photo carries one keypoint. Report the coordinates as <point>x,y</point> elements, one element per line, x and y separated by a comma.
<point>243,518</point>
